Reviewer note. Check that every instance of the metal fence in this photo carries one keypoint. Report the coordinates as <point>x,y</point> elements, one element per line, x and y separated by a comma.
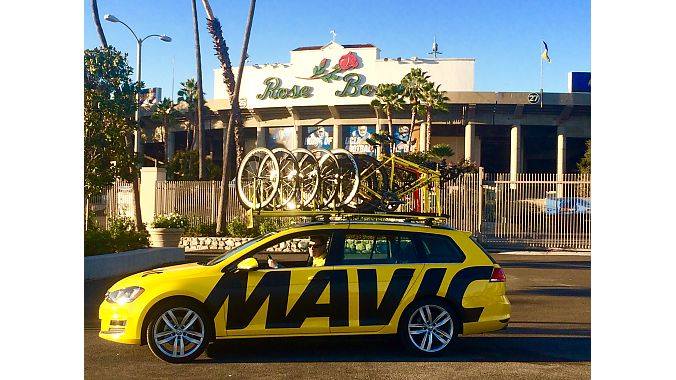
<point>547,211</point>
<point>198,200</point>
<point>116,200</point>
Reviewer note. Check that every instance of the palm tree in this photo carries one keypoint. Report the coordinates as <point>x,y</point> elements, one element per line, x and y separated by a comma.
<point>97,22</point>
<point>389,99</point>
<point>221,49</point>
<point>200,97</point>
<point>432,99</point>
<point>412,85</point>
<point>188,94</point>
<point>441,151</point>
<point>235,121</point>
<point>167,115</point>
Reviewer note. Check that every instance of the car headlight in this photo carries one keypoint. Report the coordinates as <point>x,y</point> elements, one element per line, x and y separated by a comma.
<point>125,295</point>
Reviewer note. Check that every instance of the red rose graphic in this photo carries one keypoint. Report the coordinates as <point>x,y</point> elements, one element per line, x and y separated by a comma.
<point>348,61</point>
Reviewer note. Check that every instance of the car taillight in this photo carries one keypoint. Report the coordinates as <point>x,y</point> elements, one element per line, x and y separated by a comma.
<point>498,275</point>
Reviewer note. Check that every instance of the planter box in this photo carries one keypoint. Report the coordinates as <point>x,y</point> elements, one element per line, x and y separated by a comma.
<point>165,237</point>
<point>125,263</point>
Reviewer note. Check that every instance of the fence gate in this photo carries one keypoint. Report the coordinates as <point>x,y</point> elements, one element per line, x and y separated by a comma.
<point>536,211</point>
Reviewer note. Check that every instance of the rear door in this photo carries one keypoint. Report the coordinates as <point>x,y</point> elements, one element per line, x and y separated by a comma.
<point>381,267</point>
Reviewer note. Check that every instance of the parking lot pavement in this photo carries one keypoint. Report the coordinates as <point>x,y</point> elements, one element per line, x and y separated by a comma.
<point>549,336</point>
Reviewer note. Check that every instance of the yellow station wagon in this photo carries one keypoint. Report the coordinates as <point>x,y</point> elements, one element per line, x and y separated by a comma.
<point>427,284</point>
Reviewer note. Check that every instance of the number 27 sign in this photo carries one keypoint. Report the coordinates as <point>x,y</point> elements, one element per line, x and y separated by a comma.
<point>533,98</point>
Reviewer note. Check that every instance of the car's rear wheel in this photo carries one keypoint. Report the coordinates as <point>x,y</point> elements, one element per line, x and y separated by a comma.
<point>428,327</point>
<point>177,332</point>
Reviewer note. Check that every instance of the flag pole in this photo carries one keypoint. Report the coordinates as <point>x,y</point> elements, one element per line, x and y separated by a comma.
<point>541,59</point>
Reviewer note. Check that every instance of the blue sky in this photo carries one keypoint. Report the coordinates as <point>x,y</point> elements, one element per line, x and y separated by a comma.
<point>503,36</point>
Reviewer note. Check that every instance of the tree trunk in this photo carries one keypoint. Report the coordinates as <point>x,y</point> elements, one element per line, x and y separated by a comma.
<point>137,200</point>
<point>97,22</point>
<point>188,131</point>
<point>223,201</point>
<point>200,98</point>
<point>428,130</point>
<point>378,118</point>
<point>136,191</point>
<point>389,122</point>
<point>165,138</point>
<point>86,223</point>
<point>193,137</point>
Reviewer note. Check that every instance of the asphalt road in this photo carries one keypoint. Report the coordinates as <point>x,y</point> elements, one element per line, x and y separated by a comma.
<point>549,336</point>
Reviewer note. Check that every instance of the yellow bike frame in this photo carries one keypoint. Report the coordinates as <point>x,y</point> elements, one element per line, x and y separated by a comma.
<point>425,177</point>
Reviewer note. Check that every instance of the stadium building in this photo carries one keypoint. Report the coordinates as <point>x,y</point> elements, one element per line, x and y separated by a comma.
<point>322,98</point>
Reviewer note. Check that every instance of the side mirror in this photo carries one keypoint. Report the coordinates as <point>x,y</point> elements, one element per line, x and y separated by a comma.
<point>248,264</point>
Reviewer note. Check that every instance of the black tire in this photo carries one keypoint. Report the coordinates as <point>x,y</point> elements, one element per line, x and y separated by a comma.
<point>420,336</point>
<point>190,334</point>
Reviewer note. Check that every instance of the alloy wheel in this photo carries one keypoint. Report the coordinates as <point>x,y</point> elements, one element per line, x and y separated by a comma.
<point>179,332</point>
<point>430,328</point>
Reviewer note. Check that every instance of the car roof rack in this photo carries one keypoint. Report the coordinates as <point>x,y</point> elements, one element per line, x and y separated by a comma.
<point>325,217</point>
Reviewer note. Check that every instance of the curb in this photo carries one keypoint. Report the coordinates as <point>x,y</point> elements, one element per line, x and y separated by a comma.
<point>125,263</point>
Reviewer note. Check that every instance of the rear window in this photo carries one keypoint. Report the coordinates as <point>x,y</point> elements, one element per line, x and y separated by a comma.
<point>440,249</point>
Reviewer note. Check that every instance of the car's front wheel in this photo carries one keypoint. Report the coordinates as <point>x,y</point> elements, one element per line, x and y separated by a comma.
<point>178,333</point>
<point>428,327</point>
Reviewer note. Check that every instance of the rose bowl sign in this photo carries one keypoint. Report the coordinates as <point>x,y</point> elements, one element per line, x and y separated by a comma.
<point>355,83</point>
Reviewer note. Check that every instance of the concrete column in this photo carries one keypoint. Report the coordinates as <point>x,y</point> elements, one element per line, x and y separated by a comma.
<point>514,153</point>
<point>470,134</point>
<point>260,137</point>
<point>171,145</point>
<point>560,158</point>
<point>338,136</point>
<point>149,177</point>
<point>423,137</point>
<point>298,130</point>
<point>560,150</point>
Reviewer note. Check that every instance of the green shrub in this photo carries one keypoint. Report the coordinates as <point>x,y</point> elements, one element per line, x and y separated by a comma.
<point>237,228</point>
<point>416,157</point>
<point>119,237</point>
<point>268,225</point>
<point>200,229</point>
<point>271,225</point>
<point>97,242</point>
<point>170,221</point>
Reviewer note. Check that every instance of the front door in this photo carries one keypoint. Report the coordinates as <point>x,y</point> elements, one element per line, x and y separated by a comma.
<point>293,299</point>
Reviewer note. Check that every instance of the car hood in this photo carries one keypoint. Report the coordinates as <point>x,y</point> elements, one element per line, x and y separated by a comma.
<point>160,274</point>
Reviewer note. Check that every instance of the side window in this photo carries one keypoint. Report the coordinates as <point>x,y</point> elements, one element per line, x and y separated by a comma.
<point>366,248</point>
<point>440,249</point>
<point>376,247</point>
<point>403,250</point>
<point>289,251</point>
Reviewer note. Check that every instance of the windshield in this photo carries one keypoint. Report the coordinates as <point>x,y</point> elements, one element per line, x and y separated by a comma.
<point>242,247</point>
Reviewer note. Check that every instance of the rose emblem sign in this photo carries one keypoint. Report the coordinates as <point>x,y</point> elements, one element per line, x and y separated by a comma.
<point>347,62</point>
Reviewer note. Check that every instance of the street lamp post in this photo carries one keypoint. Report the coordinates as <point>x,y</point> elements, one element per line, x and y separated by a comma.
<point>138,145</point>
